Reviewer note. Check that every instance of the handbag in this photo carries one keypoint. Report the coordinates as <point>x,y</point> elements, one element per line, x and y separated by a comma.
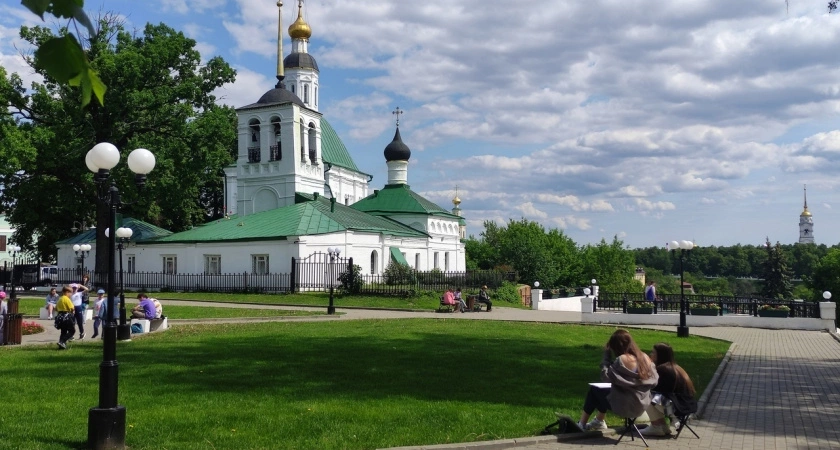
<point>63,318</point>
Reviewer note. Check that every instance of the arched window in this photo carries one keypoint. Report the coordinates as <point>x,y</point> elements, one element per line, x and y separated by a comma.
<point>293,87</point>
<point>276,150</point>
<point>374,260</point>
<point>316,96</point>
<point>254,144</point>
<point>306,94</point>
<point>313,155</point>
<point>302,141</point>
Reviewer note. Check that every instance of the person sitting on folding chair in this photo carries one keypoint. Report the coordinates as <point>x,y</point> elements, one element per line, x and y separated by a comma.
<point>632,375</point>
<point>675,389</point>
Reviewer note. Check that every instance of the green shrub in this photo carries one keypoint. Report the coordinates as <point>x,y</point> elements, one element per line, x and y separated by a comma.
<point>507,292</point>
<point>351,280</point>
<point>398,273</point>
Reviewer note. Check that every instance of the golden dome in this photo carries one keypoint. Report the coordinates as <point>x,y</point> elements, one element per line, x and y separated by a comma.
<point>806,213</point>
<point>300,29</point>
<point>456,201</point>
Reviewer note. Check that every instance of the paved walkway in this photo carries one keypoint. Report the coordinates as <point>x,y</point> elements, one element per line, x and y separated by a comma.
<point>780,389</point>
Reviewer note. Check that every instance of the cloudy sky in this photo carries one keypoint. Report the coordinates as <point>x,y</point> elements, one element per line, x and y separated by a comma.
<point>650,120</point>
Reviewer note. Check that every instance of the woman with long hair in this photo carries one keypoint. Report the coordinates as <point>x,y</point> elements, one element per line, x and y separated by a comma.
<point>631,374</point>
<point>675,386</point>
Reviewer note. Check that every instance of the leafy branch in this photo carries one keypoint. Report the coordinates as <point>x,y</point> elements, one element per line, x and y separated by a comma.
<point>62,57</point>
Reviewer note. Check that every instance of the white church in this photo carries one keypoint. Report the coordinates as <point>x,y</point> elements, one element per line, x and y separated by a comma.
<point>295,191</point>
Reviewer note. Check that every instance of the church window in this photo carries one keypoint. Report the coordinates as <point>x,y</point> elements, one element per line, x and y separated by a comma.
<point>417,262</point>
<point>374,260</point>
<point>316,95</point>
<point>293,87</point>
<point>446,261</point>
<point>259,264</point>
<point>302,141</point>
<point>437,261</point>
<point>170,264</point>
<point>306,94</point>
<point>254,145</point>
<point>276,150</point>
<point>212,264</point>
<point>131,261</point>
<point>313,155</point>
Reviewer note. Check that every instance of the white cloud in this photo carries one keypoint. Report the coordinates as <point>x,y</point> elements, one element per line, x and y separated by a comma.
<point>530,211</point>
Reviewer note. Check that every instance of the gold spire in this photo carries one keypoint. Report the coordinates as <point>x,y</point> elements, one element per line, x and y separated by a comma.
<point>300,29</point>
<point>805,212</point>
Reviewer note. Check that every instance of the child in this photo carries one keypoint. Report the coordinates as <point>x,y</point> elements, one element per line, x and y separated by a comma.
<point>97,307</point>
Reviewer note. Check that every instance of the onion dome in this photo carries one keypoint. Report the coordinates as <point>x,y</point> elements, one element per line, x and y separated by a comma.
<point>805,213</point>
<point>300,29</point>
<point>456,201</point>
<point>397,150</point>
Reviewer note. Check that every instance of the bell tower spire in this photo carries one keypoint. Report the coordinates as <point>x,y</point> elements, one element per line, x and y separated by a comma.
<point>806,221</point>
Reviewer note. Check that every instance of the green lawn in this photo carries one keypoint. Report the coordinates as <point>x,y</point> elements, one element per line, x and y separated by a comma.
<point>321,385</point>
<point>428,301</point>
<point>30,307</point>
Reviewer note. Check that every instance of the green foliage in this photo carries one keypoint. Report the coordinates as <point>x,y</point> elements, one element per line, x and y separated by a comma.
<point>398,273</point>
<point>550,257</point>
<point>61,57</point>
<point>160,98</point>
<point>351,280</point>
<point>508,292</point>
<point>777,284</point>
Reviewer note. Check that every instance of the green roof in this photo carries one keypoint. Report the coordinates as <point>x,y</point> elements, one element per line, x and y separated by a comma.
<point>143,231</point>
<point>333,150</point>
<point>399,199</point>
<point>307,217</point>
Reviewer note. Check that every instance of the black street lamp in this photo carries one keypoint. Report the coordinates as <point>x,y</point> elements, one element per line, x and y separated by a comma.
<point>106,422</point>
<point>82,251</point>
<point>124,328</point>
<point>13,252</point>
<point>333,252</point>
<point>683,247</point>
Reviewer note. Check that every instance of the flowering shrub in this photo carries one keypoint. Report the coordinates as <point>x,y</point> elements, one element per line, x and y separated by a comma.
<point>774,308</point>
<point>640,305</point>
<point>28,328</point>
<point>704,306</point>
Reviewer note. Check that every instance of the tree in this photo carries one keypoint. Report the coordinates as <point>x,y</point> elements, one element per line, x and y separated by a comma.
<point>826,277</point>
<point>777,283</point>
<point>160,99</point>
<point>611,265</point>
<point>62,56</point>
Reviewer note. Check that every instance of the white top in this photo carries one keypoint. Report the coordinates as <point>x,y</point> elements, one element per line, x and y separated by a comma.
<point>77,298</point>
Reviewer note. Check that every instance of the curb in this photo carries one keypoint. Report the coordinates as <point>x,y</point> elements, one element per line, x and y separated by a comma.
<point>704,399</point>
<point>503,444</point>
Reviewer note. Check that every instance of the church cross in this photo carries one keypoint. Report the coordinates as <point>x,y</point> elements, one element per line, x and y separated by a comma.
<point>397,113</point>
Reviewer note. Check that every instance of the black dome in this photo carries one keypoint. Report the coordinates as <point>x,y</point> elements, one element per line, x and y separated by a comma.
<point>300,60</point>
<point>397,150</point>
<point>280,95</point>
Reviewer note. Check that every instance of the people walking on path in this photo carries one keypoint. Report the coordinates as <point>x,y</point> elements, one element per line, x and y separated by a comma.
<point>65,319</point>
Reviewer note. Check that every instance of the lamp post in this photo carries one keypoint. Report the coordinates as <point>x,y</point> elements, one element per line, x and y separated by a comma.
<point>13,252</point>
<point>683,247</point>
<point>333,252</point>
<point>106,422</point>
<point>82,251</point>
<point>124,328</point>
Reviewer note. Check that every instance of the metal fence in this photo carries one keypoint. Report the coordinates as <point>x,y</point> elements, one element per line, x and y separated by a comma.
<point>315,273</point>
<point>670,303</point>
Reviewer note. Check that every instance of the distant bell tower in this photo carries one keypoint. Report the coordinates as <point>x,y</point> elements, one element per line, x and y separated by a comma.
<point>806,223</point>
<point>462,224</point>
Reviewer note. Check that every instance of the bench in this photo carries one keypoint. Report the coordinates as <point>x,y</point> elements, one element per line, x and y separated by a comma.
<point>152,325</point>
<point>44,315</point>
<point>445,307</point>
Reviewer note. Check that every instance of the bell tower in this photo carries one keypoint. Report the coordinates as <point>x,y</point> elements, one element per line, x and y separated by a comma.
<point>806,222</point>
